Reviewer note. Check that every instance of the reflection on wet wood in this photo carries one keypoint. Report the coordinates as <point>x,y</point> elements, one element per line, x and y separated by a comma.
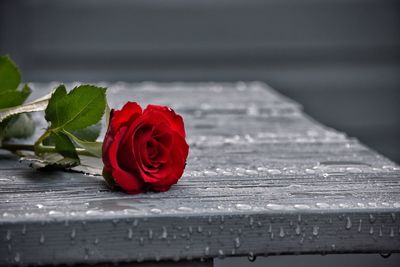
<point>262,178</point>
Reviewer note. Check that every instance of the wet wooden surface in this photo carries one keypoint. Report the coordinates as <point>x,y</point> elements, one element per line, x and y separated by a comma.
<point>262,179</point>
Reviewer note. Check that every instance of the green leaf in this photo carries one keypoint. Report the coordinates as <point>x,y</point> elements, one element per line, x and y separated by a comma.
<point>10,77</point>
<point>64,145</point>
<point>19,126</point>
<point>48,161</point>
<point>93,148</point>
<point>39,104</point>
<point>80,108</point>
<point>15,126</point>
<point>11,98</point>
<point>55,105</point>
<point>90,133</point>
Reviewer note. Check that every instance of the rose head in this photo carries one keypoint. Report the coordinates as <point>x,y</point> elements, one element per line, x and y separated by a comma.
<point>144,150</point>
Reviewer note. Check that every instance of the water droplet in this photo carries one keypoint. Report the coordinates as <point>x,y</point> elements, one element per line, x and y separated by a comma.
<point>93,212</point>
<point>17,257</point>
<point>23,231</point>
<point>281,232</point>
<point>207,251</point>
<point>251,172</point>
<point>322,205</point>
<point>315,230</point>
<point>359,226</point>
<point>253,110</point>
<point>243,207</point>
<point>380,231</point>
<point>55,213</point>
<point>298,229</point>
<point>156,211</point>
<point>301,206</point>
<point>275,206</point>
<point>221,254</point>
<point>130,233</point>
<point>371,230</point>
<point>150,234</point>
<point>87,252</point>
<point>262,169</point>
<point>348,223</point>
<point>42,239</point>
<point>8,235</point>
<point>185,209</point>
<point>251,221</point>
<point>310,171</point>
<point>199,229</point>
<point>164,233</point>
<point>96,241</point>
<point>274,171</point>
<point>73,234</point>
<point>40,206</point>
<point>299,218</point>
<point>391,232</point>
<point>141,241</point>
<point>251,257</point>
<point>385,255</point>
<point>393,216</point>
<point>237,242</point>
<point>209,220</point>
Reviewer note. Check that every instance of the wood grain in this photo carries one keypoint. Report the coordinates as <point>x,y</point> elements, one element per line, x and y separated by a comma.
<point>262,179</point>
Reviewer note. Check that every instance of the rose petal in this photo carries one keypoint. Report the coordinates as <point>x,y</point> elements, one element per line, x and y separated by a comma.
<point>174,120</point>
<point>162,133</point>
<point>170,173</point>
<point>129,112</point>
<point>129,181</point>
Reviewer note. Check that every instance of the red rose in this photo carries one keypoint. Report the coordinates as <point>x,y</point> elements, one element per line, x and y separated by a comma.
<point>144,150</point>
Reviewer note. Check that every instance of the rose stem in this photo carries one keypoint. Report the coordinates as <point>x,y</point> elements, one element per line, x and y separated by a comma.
<point>40,149</point>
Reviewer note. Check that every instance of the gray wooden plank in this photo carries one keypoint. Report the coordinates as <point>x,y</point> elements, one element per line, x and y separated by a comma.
<point>262,178</point>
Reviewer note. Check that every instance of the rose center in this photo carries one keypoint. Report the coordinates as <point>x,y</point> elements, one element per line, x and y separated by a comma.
<point>151,150</point>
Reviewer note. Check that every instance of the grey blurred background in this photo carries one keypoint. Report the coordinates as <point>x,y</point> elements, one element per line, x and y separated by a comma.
<point>340,59</point>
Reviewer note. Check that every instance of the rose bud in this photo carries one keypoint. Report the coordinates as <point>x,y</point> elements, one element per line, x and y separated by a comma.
<point>144,150</point>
